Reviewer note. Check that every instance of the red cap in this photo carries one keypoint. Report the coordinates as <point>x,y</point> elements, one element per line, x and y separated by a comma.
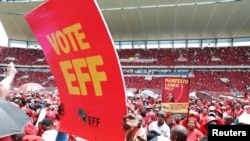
<point>51,115</point>
<point>168,114</point>
<point>192,119</point>
<point>30,129</point>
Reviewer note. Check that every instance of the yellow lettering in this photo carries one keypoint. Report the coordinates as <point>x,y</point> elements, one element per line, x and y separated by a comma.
<point>80,37</point>
<point>63,40</point>
<point>175,80</point>
<point>169,88</point>
<point>96,76</point>
<point>53,42</point>
<point>68,31</point>
<point>172,85</point>
<point>91,74</point>
<point>82,77</point>
<point>69,78</point>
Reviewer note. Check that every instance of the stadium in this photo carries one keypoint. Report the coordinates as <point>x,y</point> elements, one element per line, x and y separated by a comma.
<point>153,38</point>
<point>205,41</point>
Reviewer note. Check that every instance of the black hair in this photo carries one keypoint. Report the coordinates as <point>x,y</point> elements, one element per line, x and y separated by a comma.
<point>205,138</point>
<point>143,113</point>
<point>47,122</point>
<point>152,135</point>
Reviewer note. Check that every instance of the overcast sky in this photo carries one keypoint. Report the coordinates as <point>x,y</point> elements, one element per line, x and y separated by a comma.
<point>3,36</point>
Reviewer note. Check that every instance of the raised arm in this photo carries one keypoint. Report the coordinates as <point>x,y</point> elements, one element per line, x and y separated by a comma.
<point>5,84</point>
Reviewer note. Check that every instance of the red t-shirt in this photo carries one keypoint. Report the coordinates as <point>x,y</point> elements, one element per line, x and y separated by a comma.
<point>6,139</point>
<point>194,135</point>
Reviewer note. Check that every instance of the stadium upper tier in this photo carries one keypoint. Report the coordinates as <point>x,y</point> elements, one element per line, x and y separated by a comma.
<point>228,56</point>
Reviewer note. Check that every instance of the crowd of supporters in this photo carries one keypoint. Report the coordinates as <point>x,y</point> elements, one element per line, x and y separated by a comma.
<point>236,80</point>
<point>235,56</point>
<point>148,110</point>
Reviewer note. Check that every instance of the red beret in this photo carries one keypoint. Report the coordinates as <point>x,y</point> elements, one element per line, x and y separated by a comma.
<point>168,114</point>
<point>192,119</point>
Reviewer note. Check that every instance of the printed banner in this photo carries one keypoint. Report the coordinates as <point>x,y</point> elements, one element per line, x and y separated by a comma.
<point>175,95</point>
<point>83,60</point>
<point>175,108</point>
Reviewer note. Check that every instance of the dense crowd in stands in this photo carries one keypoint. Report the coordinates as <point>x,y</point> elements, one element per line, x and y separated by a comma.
<point>235,56</point>
<point>193,56</point>
<point>212,81</point>
<point>228,56</point>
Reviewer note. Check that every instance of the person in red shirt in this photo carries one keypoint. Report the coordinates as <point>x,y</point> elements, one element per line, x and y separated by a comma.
<point>203,115</point>
<point>169,120</point>
<point>8,138</point>
<point>246,95</point>
<point>238,110</point>
<point>210,120</point>
<point>32,138</point>
<point>212,112</point>
<point>194,134</point>
<point>150,115</point>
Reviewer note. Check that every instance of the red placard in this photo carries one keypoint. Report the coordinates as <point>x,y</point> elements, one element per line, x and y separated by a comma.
<point>82,57</point>
<point>175,95</point>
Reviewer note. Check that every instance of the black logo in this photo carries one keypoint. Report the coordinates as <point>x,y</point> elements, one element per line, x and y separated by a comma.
<point>88,119</point>
<point>83,116</point>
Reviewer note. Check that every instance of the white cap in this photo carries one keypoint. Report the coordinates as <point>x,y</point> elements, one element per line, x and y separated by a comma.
<point>211,108</point>
<point>162,138</point>
<point>18,96</point>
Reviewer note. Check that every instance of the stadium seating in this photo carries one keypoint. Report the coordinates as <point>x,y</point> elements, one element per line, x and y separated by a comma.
<point>211,80</point>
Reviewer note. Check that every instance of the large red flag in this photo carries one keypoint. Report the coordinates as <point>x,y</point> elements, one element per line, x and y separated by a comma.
<point>82,57</point>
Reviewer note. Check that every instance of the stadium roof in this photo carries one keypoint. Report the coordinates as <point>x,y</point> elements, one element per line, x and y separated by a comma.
<point>130,20</point>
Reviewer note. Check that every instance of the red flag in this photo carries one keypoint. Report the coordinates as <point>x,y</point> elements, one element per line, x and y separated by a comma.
<point>82,57</point>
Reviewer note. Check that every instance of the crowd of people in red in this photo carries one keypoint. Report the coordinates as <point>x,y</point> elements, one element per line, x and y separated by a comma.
<point>151,120</point>
<point>43,110</point>
<point>223,57</point>
<point>163,56</point>
<point>219,111</point>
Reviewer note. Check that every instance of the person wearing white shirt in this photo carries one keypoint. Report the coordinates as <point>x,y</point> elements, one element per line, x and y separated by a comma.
<point>160,125</point>
<point>49,133</point>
